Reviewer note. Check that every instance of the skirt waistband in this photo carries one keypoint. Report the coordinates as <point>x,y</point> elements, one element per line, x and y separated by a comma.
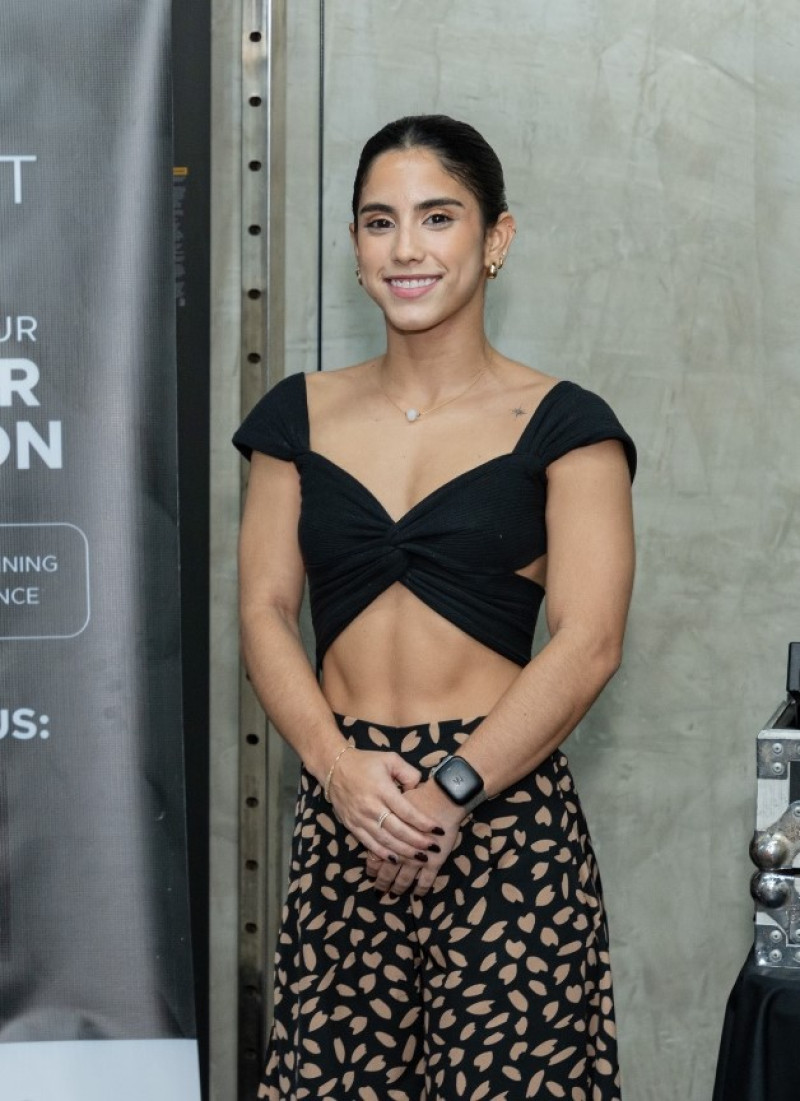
<point>425,744</point>
<point>422,744</point>
<point>444,726</point>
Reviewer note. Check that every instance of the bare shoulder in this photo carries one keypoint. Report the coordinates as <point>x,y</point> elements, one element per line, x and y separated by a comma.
<point>521,374</point>
<point>330,389</point>
<point>340,402</point>
<point>524,385</point>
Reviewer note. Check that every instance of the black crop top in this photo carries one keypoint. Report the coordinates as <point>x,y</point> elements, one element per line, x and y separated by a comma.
<point>458,548</point>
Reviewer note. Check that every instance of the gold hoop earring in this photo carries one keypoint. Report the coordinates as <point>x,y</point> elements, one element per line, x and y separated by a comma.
<point>358,277</point>
<point>492,270</point>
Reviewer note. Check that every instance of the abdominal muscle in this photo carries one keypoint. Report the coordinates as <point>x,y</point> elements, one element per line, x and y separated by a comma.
<point>401,663</point>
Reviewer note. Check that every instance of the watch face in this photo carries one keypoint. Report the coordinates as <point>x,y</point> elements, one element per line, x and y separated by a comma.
<point>459,780</point>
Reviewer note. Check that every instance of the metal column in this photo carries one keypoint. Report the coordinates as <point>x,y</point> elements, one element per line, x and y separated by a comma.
<point>262,364</point>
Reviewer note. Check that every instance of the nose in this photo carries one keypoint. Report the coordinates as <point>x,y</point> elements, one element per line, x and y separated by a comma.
<point>407,246</point>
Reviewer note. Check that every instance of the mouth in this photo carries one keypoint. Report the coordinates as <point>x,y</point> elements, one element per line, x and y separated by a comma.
<point>408,287</point>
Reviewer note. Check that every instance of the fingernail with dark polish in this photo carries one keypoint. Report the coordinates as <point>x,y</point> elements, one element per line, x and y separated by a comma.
<point>422,857</point>
<point>393,895</point>
<point>392,858</point>
<point>438,831</point>
<point>434,849</point>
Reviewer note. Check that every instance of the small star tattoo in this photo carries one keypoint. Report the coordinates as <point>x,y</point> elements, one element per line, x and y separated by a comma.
<point>518,412</point>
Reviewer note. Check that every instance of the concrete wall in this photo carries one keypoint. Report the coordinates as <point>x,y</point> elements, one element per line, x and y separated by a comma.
<point>652,153</point>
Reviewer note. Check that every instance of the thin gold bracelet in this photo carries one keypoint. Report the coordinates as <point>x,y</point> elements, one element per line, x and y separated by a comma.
<point>328,778</point>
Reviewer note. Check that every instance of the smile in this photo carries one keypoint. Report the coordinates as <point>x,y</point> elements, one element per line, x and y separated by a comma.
<point>412,283</point>
<point>412,288</point>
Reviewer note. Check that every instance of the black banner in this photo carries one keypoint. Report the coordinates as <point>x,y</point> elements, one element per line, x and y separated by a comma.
<point>191,98</point>
<point>96,996</point>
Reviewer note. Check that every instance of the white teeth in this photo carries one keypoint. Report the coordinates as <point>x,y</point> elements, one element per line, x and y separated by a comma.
<point>411,284</point>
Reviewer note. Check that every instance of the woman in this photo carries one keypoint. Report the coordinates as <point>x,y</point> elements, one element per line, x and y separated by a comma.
<point>444,935</point>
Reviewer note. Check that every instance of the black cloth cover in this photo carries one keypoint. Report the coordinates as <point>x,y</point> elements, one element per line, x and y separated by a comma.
<point>759,1057</point>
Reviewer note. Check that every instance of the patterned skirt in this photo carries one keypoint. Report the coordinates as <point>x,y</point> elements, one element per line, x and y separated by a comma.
<point>495,985</point>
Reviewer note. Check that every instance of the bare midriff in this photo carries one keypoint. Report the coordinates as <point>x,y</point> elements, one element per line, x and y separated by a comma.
<point>399,662</point>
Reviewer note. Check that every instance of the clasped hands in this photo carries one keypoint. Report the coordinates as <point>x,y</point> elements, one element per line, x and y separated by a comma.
<point>407,825</point>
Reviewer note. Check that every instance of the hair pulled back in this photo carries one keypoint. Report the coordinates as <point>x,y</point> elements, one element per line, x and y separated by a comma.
<point>462,151</point>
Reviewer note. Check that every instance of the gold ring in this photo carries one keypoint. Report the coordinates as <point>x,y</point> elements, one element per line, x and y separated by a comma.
<point>382,818</point>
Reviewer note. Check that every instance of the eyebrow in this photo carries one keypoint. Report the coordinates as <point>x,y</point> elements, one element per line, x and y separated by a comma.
<point>426,204</point>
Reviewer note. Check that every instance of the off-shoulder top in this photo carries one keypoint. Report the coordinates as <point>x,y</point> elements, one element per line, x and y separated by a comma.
<point>458,549</point>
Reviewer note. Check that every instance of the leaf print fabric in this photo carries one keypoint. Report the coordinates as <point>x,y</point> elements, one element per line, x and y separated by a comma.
<point>496,986</point>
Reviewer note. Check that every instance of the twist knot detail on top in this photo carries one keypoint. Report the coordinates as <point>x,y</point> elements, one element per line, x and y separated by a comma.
<point>457,549</point>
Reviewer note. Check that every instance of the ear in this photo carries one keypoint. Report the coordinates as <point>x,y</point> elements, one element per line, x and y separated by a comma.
<point>354,239</point>
<point>498,240</point>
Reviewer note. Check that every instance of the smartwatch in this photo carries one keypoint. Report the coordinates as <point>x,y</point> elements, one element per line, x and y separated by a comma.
<point>460,782</point>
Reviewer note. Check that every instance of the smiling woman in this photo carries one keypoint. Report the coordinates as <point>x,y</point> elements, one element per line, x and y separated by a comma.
<point>422,246</point>
<point>444,930</point>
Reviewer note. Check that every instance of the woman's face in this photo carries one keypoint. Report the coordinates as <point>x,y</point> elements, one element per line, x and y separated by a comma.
<point>420,242</point>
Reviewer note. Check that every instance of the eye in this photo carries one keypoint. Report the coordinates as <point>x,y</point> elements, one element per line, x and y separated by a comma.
<point>438,218</point>
<point>378,224</point>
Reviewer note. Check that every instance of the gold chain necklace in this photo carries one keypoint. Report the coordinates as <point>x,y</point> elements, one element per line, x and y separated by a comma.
<point>411,414</point>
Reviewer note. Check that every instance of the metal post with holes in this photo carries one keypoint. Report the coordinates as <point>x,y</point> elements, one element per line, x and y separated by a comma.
<point>262,364</point>
<point>775,848</point>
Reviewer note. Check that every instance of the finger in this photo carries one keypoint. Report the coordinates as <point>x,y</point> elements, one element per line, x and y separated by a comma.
<point>396,852</point>
<point>405,878</point>
<point>412,851</point>
<point>373,864</point>
<point>412,817</point>
<point>390,831</point>
<point>383,846</point>
<point>425,880</point>
<point>407,841</point>
<point>385,836</point>
<point>384,881</point>
<point>402,772</point>
<point>399,853</point>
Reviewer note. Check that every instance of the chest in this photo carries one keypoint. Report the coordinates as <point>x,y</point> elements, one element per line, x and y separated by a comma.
<point>489,518</point>
<point>402,464</point>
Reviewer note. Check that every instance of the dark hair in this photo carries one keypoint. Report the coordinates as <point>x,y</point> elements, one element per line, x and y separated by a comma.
<point>463,152</point>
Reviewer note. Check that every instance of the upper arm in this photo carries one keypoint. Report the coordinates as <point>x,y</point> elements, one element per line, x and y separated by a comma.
<point>271,572</point>
<point>590,551</point>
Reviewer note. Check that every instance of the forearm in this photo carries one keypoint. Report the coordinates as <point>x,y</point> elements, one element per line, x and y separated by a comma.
<point>543,705</point>
<point>287,689</point>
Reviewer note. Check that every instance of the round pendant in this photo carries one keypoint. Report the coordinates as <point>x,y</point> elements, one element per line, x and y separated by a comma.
<point>412,414</point>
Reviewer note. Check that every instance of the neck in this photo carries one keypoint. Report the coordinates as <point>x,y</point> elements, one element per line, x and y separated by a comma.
<point>426,367</point>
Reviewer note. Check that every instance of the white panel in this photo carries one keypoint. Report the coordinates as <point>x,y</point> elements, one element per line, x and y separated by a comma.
<point>96,1070</point>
